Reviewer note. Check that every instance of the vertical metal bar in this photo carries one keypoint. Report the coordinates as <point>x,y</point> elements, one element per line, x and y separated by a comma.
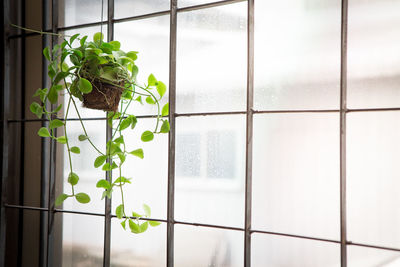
<point>53,153</point>
<point>45,155</point>
<point>171,135</point>
<point>249,131</point>
<point>343,108</point>
<point>107,219</point>
<point>22,137</point>
<point>5,78</point>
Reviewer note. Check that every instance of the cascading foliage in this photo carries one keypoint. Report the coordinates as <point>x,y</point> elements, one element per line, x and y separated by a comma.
<point>95,65</point>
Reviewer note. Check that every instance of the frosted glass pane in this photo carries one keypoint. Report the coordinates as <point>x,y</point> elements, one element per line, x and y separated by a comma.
<point>74,12</point>
<point>268,250</point>
<point>84,112</point>
<point>145,249</point>
<point>128,8</point>
<point>211,59</point>
<point>368,257</point>
<point>296,174</point>
<point>185,3</point>
<point>82,240</point>
<point>198,247</point>
<point>151,38</point>
<point>373,170</point>
<point>297,54</point>
<point>82,164</point>
<point>373,54</point>
<point>210,160</point>
<point>149,175</point>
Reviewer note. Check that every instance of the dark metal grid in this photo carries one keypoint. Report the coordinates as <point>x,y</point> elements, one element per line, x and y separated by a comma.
<point>249,112</point>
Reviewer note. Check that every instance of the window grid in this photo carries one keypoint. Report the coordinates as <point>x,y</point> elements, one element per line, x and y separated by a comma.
<point>48,169</point>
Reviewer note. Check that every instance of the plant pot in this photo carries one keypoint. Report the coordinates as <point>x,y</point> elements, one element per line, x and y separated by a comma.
<point>103,96</point>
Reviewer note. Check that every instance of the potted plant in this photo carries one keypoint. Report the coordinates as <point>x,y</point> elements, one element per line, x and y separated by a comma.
<point>103,77</point>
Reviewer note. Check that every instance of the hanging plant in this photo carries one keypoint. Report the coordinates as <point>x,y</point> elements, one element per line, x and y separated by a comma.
<point>100,76</point>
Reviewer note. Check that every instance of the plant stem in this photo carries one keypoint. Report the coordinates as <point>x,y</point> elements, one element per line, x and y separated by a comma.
<point>66,138</point>
<point>40,32</point>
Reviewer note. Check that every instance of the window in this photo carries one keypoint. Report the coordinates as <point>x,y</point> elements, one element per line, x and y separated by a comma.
<point>283,148</point>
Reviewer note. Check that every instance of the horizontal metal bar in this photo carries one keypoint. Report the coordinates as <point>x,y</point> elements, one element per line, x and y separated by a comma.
<point>138,17</point>
<point>295,236</point>
<point>209,5</point>
<point>297,111</point>
<point>209,113</point>
<point>209,225</point>
<point>25,207</point>
<point>79,212</point>
<point>145,16</point>
<point>372,246</point>
<point>371,109</point>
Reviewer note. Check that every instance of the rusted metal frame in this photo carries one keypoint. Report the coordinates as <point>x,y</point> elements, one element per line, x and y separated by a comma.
<point>343,110</point>
<point>172,133</point>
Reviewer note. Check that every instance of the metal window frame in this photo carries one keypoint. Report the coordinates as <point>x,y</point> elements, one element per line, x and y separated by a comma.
<point>48,209</point>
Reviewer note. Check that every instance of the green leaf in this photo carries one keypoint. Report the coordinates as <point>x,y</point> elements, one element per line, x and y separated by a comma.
<point>116,45</point>
<point>107,48</point>
<point>73,37</point>
<point>151,80</point>
<point>108,167</point>
<point>73,178</point>
<point>75,150</point>
<point>41,93</point>
<point>161,88</point>
<point>51,71</point>
<point>83,40</point>
<point>82,137</point>
<point>132,55</point>
<point>135,71</point>
<point>137,215</point>
<point>57,109</point>
<point>119,211</point>
<point>121,157</point>
<point>139,99</point>
<point>85,86</point>
<point>46,53</point>
<point>82,198</point>
<point>165,110</point>
<point>103,184</point>
<point>150,100</point>
<point>123,223</point>
<point>138,153</point>
<point>125,123</point>
<point>134,121</point>
<point>119,140</point>
<point>121,180</point>
<point>64,67</point>
<point>143,227</point>
<point>147,136</point>
<point>147,210</point>
<point>43,132</point>
<point>74,59</point>
<point>61,140</point>
<point>165,127</point>
<point>97,37</point>
<point>55,124</point>
<point>134,227</point>
<point>100,161</point>
<point>36,109</point>
<point>154,223</point>
<point>60,199</point>
<point>53,95</point>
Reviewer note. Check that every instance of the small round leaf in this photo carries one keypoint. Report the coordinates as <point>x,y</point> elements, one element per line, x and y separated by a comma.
<point>82,198</point>
<point>147,136</point>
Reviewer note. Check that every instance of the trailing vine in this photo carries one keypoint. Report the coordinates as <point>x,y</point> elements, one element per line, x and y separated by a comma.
<point>101,76</point>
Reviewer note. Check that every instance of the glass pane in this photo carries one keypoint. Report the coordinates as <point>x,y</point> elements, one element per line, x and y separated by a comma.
<point>82,240</point>
<point>373,54</point>
<point>128,8</point>
<point>269,250</point>
<point>82,164</point>
<point>185,3</point>
<point>74,12</point>
<point>297,54</point>
<point>296,174</point>
<point>373,172</point>
<point>368,257</point>
<point>151,38</point>
<point>199,246</point>
<point>211,59</point>
<point>84,112</point>
<point>210,161</point>
<point>145,249</point>
<point>149,175</point>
